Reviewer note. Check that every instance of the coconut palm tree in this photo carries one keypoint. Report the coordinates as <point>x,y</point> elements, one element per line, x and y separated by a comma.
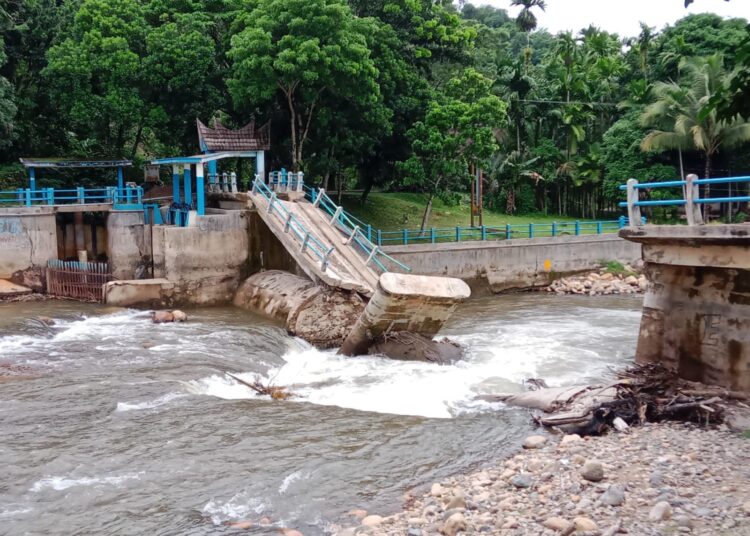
<point>526,19</point>
<point>684,116</point>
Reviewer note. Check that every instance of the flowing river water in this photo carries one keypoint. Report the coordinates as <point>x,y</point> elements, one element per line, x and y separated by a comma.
<point>110,424</point>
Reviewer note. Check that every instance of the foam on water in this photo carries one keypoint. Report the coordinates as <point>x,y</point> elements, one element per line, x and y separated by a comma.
<point>59,483</point>
<point>289,479</point>
<point>240,507</point>
<point>102,328</point>
<point>498,358</point>
<point>150,404</point>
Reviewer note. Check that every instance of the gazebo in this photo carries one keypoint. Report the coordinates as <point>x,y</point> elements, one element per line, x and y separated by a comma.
<point>218,143</point>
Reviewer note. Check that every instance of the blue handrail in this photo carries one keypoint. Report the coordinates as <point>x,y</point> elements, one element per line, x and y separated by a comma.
<point>434,235</point>
<point>132,197</point>
<point>690,198</point>
<point>291,223</point>
<point>358,232</point>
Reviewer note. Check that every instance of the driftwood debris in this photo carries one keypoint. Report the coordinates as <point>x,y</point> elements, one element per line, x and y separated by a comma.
<point>642,393</point>
<point>275,392</point>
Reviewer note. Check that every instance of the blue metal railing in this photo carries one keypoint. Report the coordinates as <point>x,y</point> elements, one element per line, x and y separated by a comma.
<point>498,232</point>
<point>308,241</point>
<point>359,233</point>
<point>690,189</point>
<point>464,234</point>
<point>130,197</point>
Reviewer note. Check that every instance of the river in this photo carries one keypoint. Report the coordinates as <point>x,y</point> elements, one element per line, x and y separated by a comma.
<point>113,425</point>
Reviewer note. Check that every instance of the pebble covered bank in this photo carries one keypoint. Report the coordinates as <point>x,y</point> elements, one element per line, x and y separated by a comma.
<point>655,480</point>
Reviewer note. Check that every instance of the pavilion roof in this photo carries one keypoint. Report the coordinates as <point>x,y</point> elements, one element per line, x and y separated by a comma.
<point>247,138</point>
<point>72,163</point>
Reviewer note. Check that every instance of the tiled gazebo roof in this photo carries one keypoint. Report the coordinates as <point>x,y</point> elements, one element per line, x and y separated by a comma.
<point>247,138</point>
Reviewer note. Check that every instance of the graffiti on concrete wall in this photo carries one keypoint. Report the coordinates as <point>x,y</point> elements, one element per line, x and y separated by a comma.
<point>12,234</point>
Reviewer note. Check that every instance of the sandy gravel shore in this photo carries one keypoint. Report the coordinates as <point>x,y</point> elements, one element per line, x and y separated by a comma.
<point>659,479</point>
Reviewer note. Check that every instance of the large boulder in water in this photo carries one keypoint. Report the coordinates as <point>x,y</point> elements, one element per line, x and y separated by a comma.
<point>320,315</point>
<point>407,346</point>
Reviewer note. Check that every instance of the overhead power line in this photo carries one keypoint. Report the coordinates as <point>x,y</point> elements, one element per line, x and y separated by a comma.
<point>533,101</point>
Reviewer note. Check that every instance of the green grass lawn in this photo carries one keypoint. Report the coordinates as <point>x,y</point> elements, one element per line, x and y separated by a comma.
<point>396,211</point>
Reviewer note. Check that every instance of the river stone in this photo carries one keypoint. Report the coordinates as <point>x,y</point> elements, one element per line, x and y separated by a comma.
<point>522,480</point>
<point>614,496</point>
<point>455,523</point>
<point>437,490</point>
<point>557,523</point>
<point>358,513</point>
<point>162,317</point>
<point>660,512</point>
<point>569,439</point>
<point>457,501</point>
<point>372,521</point>
<point>655,479</point>
<point>414,532</point>
<point>584,524</point>
<point>291,532</point>
<point>179,316</point>
<point>534,442</point>
<point>592,471</point>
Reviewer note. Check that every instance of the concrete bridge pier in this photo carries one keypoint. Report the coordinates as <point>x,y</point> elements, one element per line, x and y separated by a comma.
<point>696,312</point>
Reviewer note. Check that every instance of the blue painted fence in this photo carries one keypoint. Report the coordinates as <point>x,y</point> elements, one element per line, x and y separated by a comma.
<point>690,196</point>
<point>465,234</point>
<point>127,199</point>
<point>309,242</point>
<point>359,233</point>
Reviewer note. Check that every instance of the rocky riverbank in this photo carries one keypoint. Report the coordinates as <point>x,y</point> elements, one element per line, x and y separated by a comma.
<point>658,479</point>
<point>601,283</point>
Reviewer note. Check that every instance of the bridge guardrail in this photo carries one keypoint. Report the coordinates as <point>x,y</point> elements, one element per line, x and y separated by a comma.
<point>130,196</point>
<point>291,223</point>
<point>435,235</point>
<point>359,232</point>
<point>691,199</point>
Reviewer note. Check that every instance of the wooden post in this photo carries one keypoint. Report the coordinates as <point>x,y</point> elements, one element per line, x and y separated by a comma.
<point>481,197</point>
<point>692,193</point>
<point>473,202</point>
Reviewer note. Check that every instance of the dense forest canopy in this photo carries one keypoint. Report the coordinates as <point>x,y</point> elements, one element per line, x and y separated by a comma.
<point>391,94</point>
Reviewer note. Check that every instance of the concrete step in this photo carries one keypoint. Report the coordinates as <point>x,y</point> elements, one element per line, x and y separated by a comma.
<point>9,289</point>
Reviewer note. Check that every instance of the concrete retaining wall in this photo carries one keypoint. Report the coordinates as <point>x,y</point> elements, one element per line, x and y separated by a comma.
<point>28,239</point>
<point>207,261</point>
<point>515,264</point>
<point>128,243</point>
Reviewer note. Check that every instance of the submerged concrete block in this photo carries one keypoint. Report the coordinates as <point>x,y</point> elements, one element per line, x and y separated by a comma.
<point>405,303</point>
<point>139,292</point>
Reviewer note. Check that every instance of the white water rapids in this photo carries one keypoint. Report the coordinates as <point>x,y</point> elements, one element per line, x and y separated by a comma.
<point>114,424</point>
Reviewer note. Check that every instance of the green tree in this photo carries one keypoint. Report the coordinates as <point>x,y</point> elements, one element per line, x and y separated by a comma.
<point>302,51</point>
<point>182,80</point>
<point>96,74</point>
<point>7,105</point>
<point>460,129</point>
<point>526,18</point>
<point>693,119</point>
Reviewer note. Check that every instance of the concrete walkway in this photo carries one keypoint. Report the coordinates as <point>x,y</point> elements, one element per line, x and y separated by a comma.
<point>8,289</point>
<point>347,267</point>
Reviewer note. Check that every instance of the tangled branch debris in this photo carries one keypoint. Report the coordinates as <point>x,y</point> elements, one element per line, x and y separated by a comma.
<point>275,392</point>
<point>642,393</point>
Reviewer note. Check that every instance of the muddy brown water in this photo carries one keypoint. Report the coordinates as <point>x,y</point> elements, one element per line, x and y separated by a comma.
<point>113,425</point>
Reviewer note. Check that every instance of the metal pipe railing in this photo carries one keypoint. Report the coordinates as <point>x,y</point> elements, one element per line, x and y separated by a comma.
<point>690,199</point>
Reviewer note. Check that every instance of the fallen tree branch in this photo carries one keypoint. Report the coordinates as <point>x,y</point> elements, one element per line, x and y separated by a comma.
<point>277,393</point>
